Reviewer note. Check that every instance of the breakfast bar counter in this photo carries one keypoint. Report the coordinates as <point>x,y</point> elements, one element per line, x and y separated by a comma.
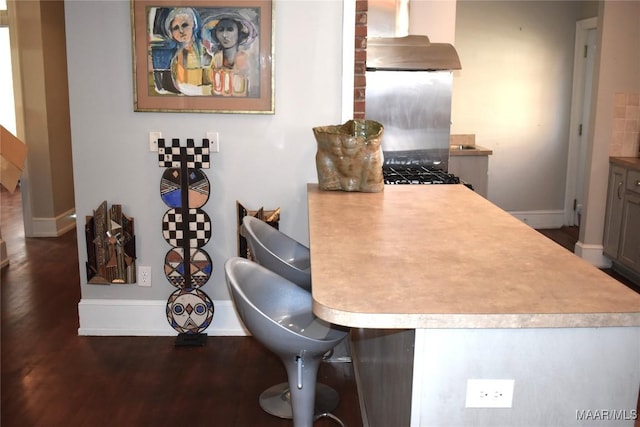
<point>439,286</point>
<point>440,256</point>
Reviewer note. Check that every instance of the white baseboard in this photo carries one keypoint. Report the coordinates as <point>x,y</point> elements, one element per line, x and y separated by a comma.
<point>117,317</point>
<point>593,254</point>
<point>540,219</point>
<point>555,219</point>
<point>54,227</point>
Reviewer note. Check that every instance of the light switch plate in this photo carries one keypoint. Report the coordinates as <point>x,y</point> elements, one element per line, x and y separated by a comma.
<point>214,142</point>
<point>153,140</point>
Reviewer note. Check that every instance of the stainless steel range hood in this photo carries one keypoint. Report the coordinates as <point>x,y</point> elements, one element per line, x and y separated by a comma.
<point>410,53</point>
<point>409,81</point>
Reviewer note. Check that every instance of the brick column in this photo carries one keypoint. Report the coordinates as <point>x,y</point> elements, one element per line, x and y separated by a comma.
<point>359,79</point>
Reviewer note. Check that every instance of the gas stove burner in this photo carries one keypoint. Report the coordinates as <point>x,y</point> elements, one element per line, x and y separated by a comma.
<point>417,175</point>
<point>430,159</point>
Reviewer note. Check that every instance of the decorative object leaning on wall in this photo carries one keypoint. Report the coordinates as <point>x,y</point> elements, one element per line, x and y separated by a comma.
<point>187,228</point>
<point>111,246</point>
<point>271,217</point>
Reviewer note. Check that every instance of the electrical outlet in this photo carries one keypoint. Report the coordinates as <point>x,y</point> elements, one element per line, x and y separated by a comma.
<point>214,142</point>
<point>489,393</point>
<point>153,140</point>
<point>144,276</point>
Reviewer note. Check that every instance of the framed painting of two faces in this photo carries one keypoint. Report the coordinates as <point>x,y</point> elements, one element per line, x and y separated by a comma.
<point>203,56</point>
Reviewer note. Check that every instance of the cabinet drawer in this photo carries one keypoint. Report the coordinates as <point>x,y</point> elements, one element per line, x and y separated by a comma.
<point>633,181</point>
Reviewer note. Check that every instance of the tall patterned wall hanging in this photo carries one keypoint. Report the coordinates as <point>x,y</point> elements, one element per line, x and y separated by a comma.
<point>184,188</point>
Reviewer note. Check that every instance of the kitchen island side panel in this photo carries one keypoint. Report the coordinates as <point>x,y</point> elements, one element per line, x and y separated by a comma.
<point>383,363</point>
<point>563,376</point>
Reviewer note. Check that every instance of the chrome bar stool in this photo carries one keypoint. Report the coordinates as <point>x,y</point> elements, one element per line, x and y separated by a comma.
<point>278,313</point>
<point>278,252</point>
<point>288,258</point>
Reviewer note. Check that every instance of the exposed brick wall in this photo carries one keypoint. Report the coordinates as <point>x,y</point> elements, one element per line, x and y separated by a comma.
<point>359,79</point>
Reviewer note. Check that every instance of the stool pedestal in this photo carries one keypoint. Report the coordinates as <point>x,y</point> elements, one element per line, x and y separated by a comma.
<point>276,400</point>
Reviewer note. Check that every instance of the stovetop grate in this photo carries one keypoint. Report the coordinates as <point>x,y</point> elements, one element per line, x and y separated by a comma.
<point>417,175</point>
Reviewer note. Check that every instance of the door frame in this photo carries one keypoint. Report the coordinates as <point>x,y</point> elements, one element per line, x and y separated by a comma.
<point>16,72</point>
<point>577,108</point>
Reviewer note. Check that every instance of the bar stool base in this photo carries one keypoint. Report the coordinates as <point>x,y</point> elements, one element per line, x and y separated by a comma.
<point>276,400</point>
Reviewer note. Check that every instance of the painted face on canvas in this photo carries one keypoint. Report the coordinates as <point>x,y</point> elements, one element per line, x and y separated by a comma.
<point>227,33</point>
<point>182,28</point>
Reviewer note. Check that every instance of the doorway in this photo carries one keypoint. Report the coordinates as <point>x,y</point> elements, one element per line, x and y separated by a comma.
<point>7,106</point>
<point>48,205</point>
<point>10,117</point>
<point>584,60</point>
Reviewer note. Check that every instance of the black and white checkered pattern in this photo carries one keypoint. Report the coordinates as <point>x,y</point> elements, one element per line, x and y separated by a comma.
<point>199,231</point>
<point>170,156</point>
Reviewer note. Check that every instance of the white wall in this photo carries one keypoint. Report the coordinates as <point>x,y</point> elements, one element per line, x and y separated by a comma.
<point>514,93</point>
<point>264,160</point>
<point>433,18</point>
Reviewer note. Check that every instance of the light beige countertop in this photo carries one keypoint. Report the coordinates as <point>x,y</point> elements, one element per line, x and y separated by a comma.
<point>469,150</point>
<point>629,162</point>
<point>465,145</point>
<point>441,256</point>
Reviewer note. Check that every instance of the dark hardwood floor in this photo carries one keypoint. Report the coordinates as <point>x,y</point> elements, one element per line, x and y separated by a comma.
<point>568,236</point>
<point>53,377</point>
<point>564,236</point>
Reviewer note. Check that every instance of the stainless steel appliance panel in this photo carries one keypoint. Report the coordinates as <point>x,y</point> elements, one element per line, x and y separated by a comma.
<point>415,110</point>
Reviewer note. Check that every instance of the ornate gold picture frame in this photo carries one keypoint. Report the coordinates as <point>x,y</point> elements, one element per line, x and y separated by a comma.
<point>203,56</point>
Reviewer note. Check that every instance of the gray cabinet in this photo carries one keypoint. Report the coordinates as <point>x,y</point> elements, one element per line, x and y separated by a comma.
<point>630,241</point>
<point>472,169</point>
<point>615,203</point>
<point>622,222</point>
